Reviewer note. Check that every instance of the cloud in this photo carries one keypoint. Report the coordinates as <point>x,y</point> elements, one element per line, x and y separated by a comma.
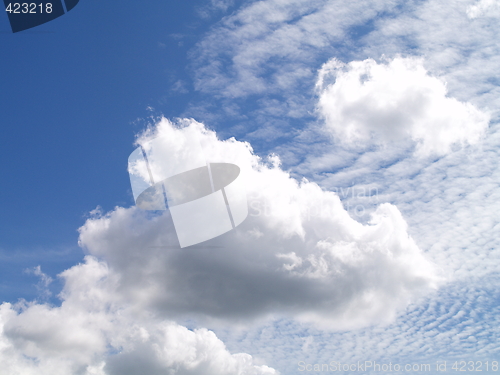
<point>269,46</point>
<point>43,285</point>
<point>214,7</point>
<point>460,320</point>
<point>298,254</point>
<point>394,102</point>
<point>93,332</point>
<point>189,352</point>
<point>459,49</point>
<point>489,8</point>
<point>264,56</point>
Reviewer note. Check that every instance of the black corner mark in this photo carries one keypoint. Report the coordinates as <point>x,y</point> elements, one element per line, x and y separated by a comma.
<point>25,15</point>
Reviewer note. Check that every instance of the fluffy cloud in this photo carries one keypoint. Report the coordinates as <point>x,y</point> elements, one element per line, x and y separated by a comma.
<point>93,332</point>
<point>394,102</point>
<point>298,254</point>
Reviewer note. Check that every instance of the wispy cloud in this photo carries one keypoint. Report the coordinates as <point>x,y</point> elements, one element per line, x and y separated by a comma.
<point>266,54</point>
<point>43,285</point>
<point>459,321</point>
<point>488,8</point>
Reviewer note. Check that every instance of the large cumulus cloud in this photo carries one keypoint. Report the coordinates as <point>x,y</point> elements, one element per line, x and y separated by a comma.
<point>298,254</point>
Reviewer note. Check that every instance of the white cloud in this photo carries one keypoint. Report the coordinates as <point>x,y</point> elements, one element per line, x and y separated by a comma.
<point>93,332</point>
<point>299,255</point>
<point>269,46</point>
<point>451,202</point>
<point>290,260</point>
<point>215,6</point>
<point>460,320</point>
<point>264,57</point>
<point>309,260</point>
<point>273,49</point>
<point>394,102</point>
<point>43,284</point>
<point>461,50</point>
<point>489,8</point>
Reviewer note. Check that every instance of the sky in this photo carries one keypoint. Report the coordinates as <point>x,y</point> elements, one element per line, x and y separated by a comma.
<point>368,139</point>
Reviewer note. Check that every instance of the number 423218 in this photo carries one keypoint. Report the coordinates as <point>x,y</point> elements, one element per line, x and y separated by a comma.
<point>29,8</point>
<point>475,366</point>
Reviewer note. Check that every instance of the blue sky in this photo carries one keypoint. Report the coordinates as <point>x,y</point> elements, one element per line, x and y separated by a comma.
<point>71,116</point>
<point>388,109</point>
